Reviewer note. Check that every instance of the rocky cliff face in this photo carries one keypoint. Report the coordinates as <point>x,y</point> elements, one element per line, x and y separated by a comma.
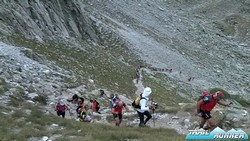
<point>47,20</point>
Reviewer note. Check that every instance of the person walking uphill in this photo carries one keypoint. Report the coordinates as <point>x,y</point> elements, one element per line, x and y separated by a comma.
<point>81,109</point>
<point>74,99</point>
<point>117,111</point>
<point>61,107</point>
<point>205,106</point>
<point>144,109</point>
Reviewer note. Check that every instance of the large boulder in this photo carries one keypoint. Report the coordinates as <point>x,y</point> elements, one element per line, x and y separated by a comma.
<point>232,117</point>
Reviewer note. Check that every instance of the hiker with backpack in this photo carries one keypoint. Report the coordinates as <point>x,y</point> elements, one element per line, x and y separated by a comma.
<point>96,106</point>
<point>61,107</point>
<point>205,105</point>
<point>112,100</point>
<point>143,109</point>
<point>117,111</point>
<point>81,109</point>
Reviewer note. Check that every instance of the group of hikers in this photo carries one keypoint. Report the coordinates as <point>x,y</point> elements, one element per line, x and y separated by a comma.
<point>116,105</point>
<point>144,108</point>
<point>61,107</point>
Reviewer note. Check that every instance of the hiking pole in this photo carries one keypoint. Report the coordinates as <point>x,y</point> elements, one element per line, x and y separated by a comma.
<point>153,109</point>
<point>128,123</point>
<point>154,117</point>
<point>70,113</point>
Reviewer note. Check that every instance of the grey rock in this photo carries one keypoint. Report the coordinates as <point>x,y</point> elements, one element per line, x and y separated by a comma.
<point>32,95</point>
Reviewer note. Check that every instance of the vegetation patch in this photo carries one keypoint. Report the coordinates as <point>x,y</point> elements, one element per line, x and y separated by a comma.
<point>17,99</point>
<point>3,86</point>
<point>226,95</point>
<point>226,28</point>
<point>41,98</point>
<point>243,102</point>
<point>237,98</point>
<point>112,66</point>
<point>164,94</point>
<point>22,126</point>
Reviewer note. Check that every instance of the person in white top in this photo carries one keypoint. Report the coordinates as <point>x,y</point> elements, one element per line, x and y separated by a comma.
<point>144,109</point>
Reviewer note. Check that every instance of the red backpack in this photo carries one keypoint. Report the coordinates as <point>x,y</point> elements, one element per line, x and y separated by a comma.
<point>60,107</point>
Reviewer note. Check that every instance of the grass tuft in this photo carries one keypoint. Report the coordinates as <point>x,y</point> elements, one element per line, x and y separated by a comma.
<point>3,86</point>
<point>42,99</point>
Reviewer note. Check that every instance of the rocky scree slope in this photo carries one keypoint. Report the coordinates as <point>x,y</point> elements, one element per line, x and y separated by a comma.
<point>187,36</point>
<point>194,37</point>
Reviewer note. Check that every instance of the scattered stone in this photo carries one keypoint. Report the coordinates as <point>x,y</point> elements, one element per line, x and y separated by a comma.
<point>46,71</point>
<point>175,117</point>
<point>245,113</point>
<point>32,95</point>
<point>161,8</point>
<point>4,113</point>
<point>30,101</point>
<point>45,138</point>
<point>91,81</point>
<point>54,125</point>
<point>27,111</point>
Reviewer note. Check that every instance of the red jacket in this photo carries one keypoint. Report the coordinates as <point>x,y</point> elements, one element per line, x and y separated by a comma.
<point>119,108</point>
<point>94,106</point>
<point>209,103</point>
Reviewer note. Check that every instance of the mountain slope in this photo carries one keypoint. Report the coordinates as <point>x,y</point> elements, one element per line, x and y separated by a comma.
<point>181,48</point>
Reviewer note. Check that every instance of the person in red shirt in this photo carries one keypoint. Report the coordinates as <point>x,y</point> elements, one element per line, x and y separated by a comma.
<point>205,106</point>
<point>117,111</point>
<point>96,106</point>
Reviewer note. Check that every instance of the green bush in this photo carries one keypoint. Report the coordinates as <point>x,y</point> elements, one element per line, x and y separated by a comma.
<point>226,95</point>
<point>241,100</point>
<point>3,86</point>
<point>237,98</point>
<point>18,114</point>
<point>42,99</point>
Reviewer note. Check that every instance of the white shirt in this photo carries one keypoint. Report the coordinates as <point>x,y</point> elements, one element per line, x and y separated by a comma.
<point>143,104</point>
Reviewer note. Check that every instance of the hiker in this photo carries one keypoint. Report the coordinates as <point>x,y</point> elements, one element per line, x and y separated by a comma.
<point>112,100</point>
<point>102,93</point>
<point>137,76</point>
<point>117,111</point>
<point>144,109</point>
<point>81,109</point>
<point>205,105</point>
<point>96,106</point>
<point>74,99</point>
<point>61,107</point>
